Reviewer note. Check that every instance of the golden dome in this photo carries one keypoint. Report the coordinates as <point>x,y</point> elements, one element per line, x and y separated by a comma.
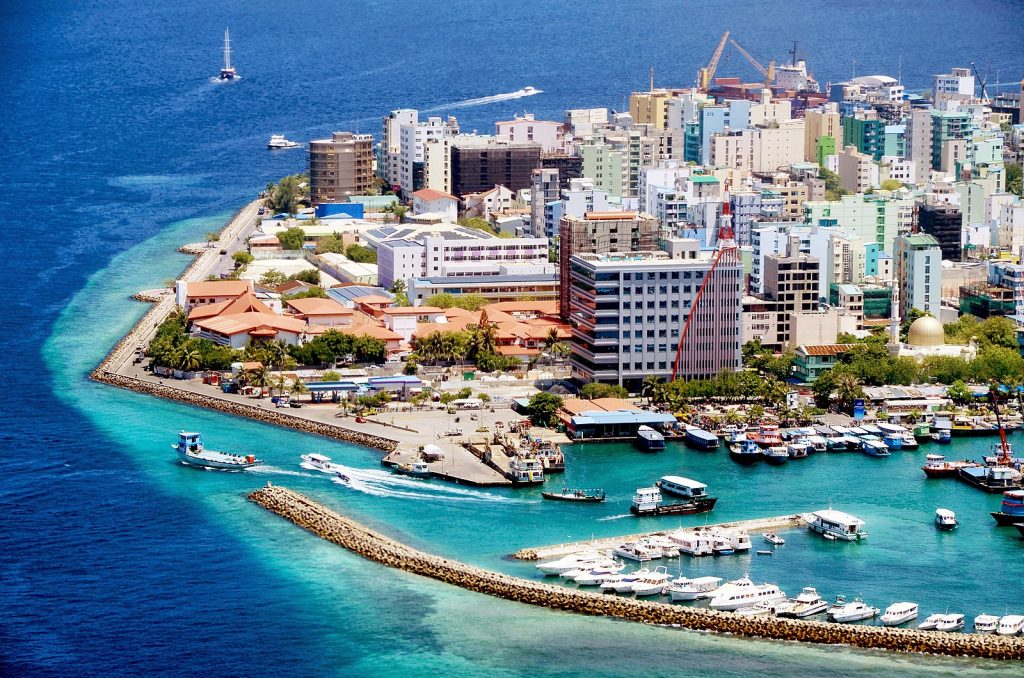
<point>926,331</point>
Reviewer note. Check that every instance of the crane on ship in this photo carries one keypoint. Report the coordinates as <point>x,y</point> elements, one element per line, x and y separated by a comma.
<point>727,252</point>
<point>704,75</point>
<point>767,73</point>
<point>1005,457</point>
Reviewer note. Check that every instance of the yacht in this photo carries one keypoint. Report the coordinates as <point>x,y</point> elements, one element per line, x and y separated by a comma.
<point>277,141</point>
<point>986,623</point>
<point>633,550</point>
<point>652,583</point>
<point>836,524</point>
<point>317,462</point>
<point>945,519</point>
<point>776,455</point>
<point>765,608</point>
<point>899,613</point>
<point>571,562</point>
<point>773,539</point>
<point>744,593</point>
<point>692,543</point>
<point>228,72</point>
<point>804,605</point>
<point>622,583</point>
<point>595,576</point>
<point>664,545</point>
<point>1012,509</point>
<point>930,622</point>
<point>1010,625</point>
<point>694,589</point>
<point>191,452</point>
<point>950,622</point>
<point>851,612</point>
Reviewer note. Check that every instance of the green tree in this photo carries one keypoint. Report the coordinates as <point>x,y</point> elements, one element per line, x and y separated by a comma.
<point>292,238</point>
<point>312,292</point>
<point>396,210</point>
<point>330,375</point>
<point>288,194</point>
<point>959,394</point>
<point>1014,183</point>
<point>477,223</point>
<point>212,236</point>
<point>399,289</point>
<point>891,185</point>
<point>242,259</point>
<point>273,278</point>
<point>470,302</point>
<point>361,254</point>
<point>331,243</point>
<point>542,408</point>
<point>598,390</point>
<point>310,276</point>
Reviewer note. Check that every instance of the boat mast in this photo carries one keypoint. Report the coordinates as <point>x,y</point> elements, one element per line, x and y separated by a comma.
<point>227,50</point>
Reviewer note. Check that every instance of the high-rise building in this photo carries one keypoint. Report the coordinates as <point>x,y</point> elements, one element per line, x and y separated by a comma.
<point>480,164</point>
<point>919,273</point>
<point>819,125</point>
<point>957,85</point>
<point>918,142</point>
<point>412,141</point>
<point>857,171</point>
<point>543,190</point>
<point>650,108</point>
<point>944,223</point>
<point>866,132</point>
<point>628,312</point>
<point>340,167</point>
<point>391,135</point>
<point>951,132</point>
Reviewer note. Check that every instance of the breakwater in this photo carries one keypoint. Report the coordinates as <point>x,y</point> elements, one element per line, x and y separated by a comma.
<point>349,534</point>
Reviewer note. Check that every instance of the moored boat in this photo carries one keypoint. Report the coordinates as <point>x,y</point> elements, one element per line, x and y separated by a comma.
<point>930,622</point>
<point>694,589</point>
<point>649,439</point>
<point>990,478</point>
<point>568,494</point>
<point>634,550</point>
<point>192,452</point>
<point>700,439</point>
<point>899,613</point>
<point>776,455</point>
<point>836,524</point>
<point>874,448</point>
<point>767,435</point>
<point>1010,625</point>
<point>806,604</point>
<point>851,612</point>
<point>945,519</point>
<point>746,452</point>
<point>950,622</point>
<point>744,593</point>
<point>417,469</point>
<point>798,450</point>
<point>692,543</point>
<point>986,623</point>
<point>936,466</point>
<point>1011,510</point>
<point>773,539</point>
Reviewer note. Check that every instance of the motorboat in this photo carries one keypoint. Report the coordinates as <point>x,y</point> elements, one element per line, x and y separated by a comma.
<point>341,477</point>
<point>634,550</point>
<point>596,575</point>
<point>622,583</point>
<point>744,593</point>
<point>740,540</point>
<point>836,524</point>
<point>950,622</point>
<point>1011,510</point>
<point>722,545</point>
<point>417,469</point>
<point>568,494</point>
<point>700,439</point>
<point>692,543</point>
<point>804,605</point>
<point>652,583</point>
<point>945,519</point>
<point>649,440</point>
<point>192,452</point>
<point>648,501</point>
<point>986,623</point>
<point>1010,625</point>
<point>228,72</point>
<point>525,470</point>
<point>765,608</point>
<point>659,544</point>
<point>942,436</point>
<point>694,589</point>
<point>746,452</point>
<point>798,450</point>
<point>936,466</point>
<point>851,612</point>
<point>776,455</point>
<point>930,622</point>
<point>1020,528</point>
<point>529,91</point>
<point>278,142</point>
<point>317,462</point>
<point>767,435</point>
<point>899,613</point>
<point>773,539</point>
<point>874,448</point>
<point>909,442</point>
<point>572,561</point>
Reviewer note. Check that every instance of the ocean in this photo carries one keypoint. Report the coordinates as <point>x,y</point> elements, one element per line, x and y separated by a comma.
<point>118,148</point>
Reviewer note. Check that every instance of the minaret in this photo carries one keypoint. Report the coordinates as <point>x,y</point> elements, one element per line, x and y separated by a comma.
<point>894,322</point>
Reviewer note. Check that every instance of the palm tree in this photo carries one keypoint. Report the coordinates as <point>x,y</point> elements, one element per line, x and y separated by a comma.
<point>188,358</point>
<point>772,391</point>
<point>277,352</point>
<point>260,377</point>
<point>652,387</point>
<point>848,389</point>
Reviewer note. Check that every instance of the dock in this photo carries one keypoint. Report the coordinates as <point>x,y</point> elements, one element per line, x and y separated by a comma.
<point>459,466</point>
<point>560,550</point>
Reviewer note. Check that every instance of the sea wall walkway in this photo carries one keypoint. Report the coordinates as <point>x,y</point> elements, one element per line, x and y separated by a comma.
<point>349,534</point>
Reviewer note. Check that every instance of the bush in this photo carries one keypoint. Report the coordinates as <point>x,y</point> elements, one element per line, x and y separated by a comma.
<point>596,390</point>
<point>361,254</point>
<point>292,238</point>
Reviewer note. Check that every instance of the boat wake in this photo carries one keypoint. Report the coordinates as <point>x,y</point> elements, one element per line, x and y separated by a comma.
<point>615,517</point>
<point>493,99</point>
<point>274,470</point>
<point>383,483</point>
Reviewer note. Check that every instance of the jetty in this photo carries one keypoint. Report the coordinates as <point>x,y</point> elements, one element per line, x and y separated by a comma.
<point>558,550</point>
<point>349,534</point>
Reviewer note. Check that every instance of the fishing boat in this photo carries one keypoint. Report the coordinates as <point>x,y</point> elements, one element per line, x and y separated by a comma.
<point>191,452</point>
<point>836,524</point>
<point>694,589</point>
<point>773,539</point>
<point>649,440</point>
<point>986,623</point>
<point>806,604</point>
<point>700,439</point>
<point>945,519</point>
<point>950,622</point>
<point>648,502</point>
<point>417,469</point>
<point>936,466</point>
<point>776,455</point>
<point>278,142</point>
<point>745,453</point>
<point>228,72</point>
<point>568,494</point>
<point>744,593</point>
<point>1012,509</point>
<point>767,435</point>
<point>899,613</point>
<point>851,612</point>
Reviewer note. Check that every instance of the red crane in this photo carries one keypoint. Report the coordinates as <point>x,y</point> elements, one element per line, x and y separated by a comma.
<point>725,248</point>
<point>1005,457</point>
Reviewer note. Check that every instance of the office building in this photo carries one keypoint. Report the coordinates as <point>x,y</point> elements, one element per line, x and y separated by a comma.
<point>479,164</point>
<point>943,222</point>
<point>919,274</point>
<point>340,167</point>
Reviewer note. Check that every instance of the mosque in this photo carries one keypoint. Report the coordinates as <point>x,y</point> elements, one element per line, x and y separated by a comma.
<point>927,338</point>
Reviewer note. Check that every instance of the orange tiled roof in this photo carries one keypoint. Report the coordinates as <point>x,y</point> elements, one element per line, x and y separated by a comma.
<point>312,306</point>
<point>237,323</point>
<point>219,288</point>
<point>826,349</point>
<point>431,194</point>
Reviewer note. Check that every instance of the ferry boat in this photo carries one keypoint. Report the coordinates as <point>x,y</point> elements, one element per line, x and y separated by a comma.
<point>798,450</point>
<point>551,457</point>
<point>1010,625</point>
<point>744,593</point>
<point>694,589</point>
<point>767,435</point>
<point>417,469</point>
<point>191,452</point>
<point>899,613</point>
<point>986,623</point>
<point>746,453</point>
<point>575,495</point>
<point>700,439</point>
<point>278,142</point>
<point>837,524</point>
<point>909,442</point>
<point>648,502</point>
<point>776,455</point>
<point>950,622</point>
<point>228,72</point>
<point>650,440</point>
<point>836,443</point>
<point>943,437</point>
<point>682,487</point>
<point>1012,509</point>
<point>851,612</point>
<point>893,441</point>
<point>945,519</point>
<point>936,466</point>
<point>525,471</point>
<point>874,448</point>
<point>806,604</point>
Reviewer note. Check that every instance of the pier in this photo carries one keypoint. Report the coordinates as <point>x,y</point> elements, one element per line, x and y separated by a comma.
<point>329,525</point>
<point>559,550</point>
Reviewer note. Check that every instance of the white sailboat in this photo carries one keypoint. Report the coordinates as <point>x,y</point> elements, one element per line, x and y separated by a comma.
<point>228,72</point>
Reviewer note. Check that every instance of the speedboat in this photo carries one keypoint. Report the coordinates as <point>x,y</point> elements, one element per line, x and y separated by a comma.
<point>773,539</point>
<point>766,608</point>
<point>317,462</point>
<point>986,623</point>
<point>744,593</point>
<point>652,583</point>
<point>277,142</point>
<point>950,622</point>
<point>528,90</point>
<point>572,561</point>
<point>1010,625</point>
<point>776,455</point>
<point>930,622</point>
<point>899,613</point>
<point>634,550</point>
<point>1012,509</point>
<point>191,452</point>
<point>694,589</point>
<point>851,612</point>
<point>945,519</point>
<point>804,605</point>
<point>596,575</point>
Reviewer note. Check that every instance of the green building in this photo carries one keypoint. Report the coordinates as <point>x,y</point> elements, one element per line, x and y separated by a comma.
<point>824,147</point>
<point>867,135</point>
<point>946,126</point>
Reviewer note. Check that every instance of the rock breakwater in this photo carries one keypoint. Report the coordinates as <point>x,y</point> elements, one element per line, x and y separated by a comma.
<point>349,534</point>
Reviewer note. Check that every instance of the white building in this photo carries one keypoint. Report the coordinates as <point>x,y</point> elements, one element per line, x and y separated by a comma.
<point>778,145</point>
<point>549,134</point>
<point>581,122</point>
<point>957,85</point>
<point>412,138</point>
<point>391,135</point>
<point>918,263</point>
<point>430,201</point>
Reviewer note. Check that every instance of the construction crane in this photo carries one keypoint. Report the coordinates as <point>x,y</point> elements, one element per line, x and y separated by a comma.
<point>981,81</point>
<point>768,73</point>
<point>705,74</point>
<point>726,251</point>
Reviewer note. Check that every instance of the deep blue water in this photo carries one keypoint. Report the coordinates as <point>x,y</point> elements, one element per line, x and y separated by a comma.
<point>117,148</point>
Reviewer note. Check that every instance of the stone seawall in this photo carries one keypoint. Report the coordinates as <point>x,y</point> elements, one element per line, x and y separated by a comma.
<point>349,534</point>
